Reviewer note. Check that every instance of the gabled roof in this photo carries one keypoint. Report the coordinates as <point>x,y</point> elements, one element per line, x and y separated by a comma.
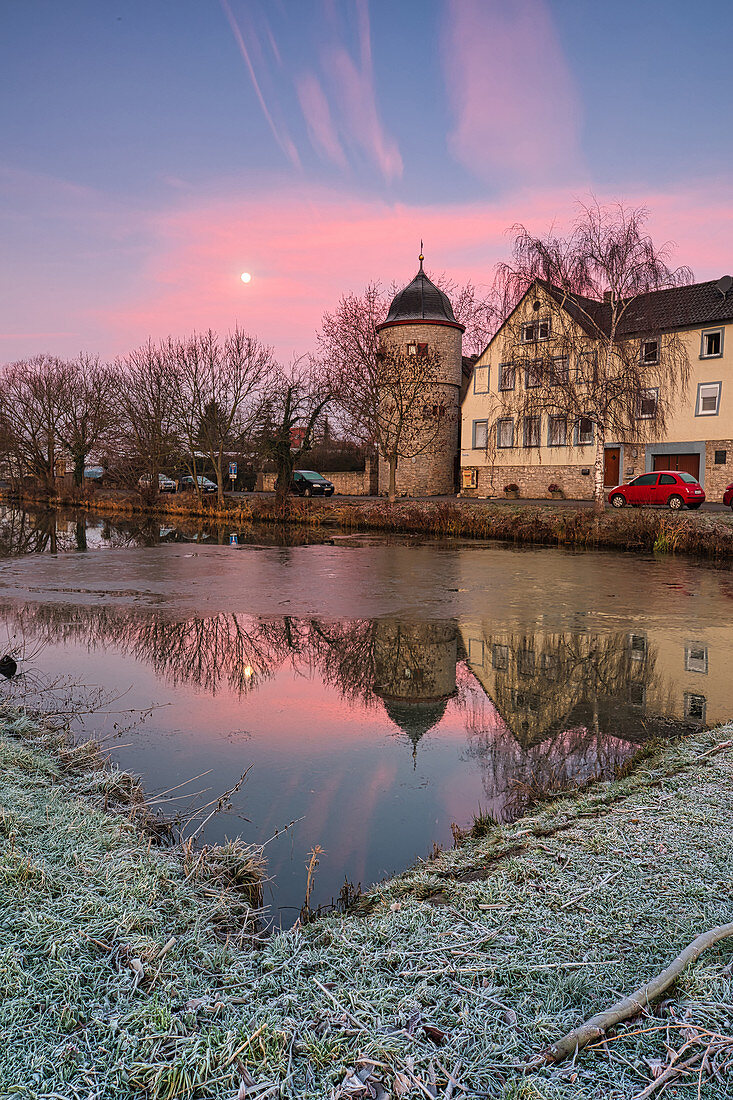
<point>658,311</point>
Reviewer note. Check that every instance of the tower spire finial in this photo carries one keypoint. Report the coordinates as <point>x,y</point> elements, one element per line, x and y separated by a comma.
<point>421,257</point>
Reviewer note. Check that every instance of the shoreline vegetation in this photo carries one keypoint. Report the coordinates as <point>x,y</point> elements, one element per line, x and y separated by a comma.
<point>706,535</point>
<point>123,973</point>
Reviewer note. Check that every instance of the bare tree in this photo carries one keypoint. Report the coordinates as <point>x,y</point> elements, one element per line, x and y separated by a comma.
<point>89,407</point>
<point>296,400</point>
<point>147,403</point>
<point>218,389</point>
<point>595,355</point>
<point>31,405</point>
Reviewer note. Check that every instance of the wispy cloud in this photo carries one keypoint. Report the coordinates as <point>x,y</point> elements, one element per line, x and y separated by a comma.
<point>319,120</point>
<point>280,133</point>
<point>516,110</point>
<point>355,93</point>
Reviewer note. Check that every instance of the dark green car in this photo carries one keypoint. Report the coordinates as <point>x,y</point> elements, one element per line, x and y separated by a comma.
<point>307,483</point>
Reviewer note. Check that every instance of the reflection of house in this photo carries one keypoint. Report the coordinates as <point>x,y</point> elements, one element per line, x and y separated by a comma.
<point>415,672</point>
<point>550,340</point>
<point>619,683</point>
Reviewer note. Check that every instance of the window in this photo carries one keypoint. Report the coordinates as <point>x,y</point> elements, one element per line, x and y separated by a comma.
<point>645,479</point>
<point>500,657</point>
<point>548,664</point>
<point>708,399</point>
<point>480,435</point>
<point>560,370</point>
<point>481,380</point>
<point>535,330</point>
<point>533,375</point>
<point>531,431</point>
<point>711,344</point>
<point>696,658</point>
<point>650,351</point>
<point>637,647</point>
<point>557,432</point>
<point>695,706</point>
<point>648,404</point>
<point>505,433</point>
<point>525,662</point>
<point>583,432</point>
<point>476,651</point>
<point>412,349</point>
<point>721,457</point>
<point>507,376</point>
<point>667,479</point>
<point>422,349</point>
<point>637,695</point>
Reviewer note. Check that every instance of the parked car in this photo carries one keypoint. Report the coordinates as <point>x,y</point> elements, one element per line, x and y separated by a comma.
<point>186,484</point>
<point>165,484</point>
<point>728,496</point>
<point>307,483</point>
<point>666,487</point>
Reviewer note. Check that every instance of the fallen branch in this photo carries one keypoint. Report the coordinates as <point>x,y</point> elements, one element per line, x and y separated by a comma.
<point>598,1025</point>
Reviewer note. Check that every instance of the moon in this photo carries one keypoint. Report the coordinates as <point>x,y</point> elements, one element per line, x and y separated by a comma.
<point>246,277</point>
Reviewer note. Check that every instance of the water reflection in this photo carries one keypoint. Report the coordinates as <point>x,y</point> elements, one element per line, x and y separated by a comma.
<point>470,684</point>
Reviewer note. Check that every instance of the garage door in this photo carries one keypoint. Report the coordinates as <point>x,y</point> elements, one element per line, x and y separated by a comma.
<point>683,463</point>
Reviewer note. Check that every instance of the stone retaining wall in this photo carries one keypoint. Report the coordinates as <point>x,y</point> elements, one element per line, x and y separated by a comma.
<point>350,483</point>
<point>533,481</point>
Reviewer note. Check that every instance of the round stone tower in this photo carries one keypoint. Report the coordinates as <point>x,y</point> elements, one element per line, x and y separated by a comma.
<point>421,321</point>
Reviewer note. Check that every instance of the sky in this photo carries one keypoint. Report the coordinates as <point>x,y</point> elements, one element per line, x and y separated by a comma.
<point>153,150</point>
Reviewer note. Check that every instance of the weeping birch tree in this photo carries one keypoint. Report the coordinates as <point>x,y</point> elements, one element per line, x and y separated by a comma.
<point>588,345</point>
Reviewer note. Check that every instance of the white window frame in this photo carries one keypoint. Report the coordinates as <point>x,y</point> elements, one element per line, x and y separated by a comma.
<point>584,442</point>
<point>646,358</point>
<point>531,427</point>
<point>557,420</point>
<point>561,374</point>
<point>412,347</point>
<point>474,436</point>
<point>694,700</point>
<point>696,658</point>
<point>504,446</point>
<point>637,647</point>
<point>512,369</point>
<point>527,335</point>
<point>711,332</point>
<point>486,369</point>
<point>712,388</point>
<point>648,393</point>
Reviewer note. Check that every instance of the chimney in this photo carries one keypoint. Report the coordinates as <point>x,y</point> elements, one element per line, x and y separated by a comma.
<point>606,295</point>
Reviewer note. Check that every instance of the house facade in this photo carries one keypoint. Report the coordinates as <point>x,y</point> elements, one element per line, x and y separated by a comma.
<point>507,442</point>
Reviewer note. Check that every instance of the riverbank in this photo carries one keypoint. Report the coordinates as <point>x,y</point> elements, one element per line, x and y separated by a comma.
<point>120,979</point>
<point>707,535</point>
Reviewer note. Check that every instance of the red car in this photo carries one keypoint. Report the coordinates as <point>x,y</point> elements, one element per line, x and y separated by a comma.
<point>665,487</point>
<point>728,495</point>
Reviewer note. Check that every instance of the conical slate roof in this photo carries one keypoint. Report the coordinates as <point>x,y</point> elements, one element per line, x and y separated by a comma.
<point>421,300</point>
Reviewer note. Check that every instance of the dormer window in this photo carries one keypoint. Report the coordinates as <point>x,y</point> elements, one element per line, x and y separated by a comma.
<point>535,330</point>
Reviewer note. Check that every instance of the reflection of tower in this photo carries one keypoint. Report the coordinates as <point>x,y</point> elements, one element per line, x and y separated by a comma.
<point>415,673</point>
<point>421,318</point>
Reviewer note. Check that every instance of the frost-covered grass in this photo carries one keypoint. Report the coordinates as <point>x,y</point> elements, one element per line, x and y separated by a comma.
<point>466,966</point>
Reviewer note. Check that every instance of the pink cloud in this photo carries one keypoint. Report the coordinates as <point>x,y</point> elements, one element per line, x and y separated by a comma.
<point>516,110</point>
<point>172,270</point>
<point>318,118</point>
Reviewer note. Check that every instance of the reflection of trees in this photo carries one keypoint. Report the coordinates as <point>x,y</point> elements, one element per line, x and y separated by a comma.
<point>562,709</point>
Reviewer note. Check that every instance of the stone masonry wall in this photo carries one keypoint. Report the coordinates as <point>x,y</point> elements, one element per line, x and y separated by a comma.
<point>431,473</point>
<point>350,483</point>
<point>533,481</point>
<point>718,476</point>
